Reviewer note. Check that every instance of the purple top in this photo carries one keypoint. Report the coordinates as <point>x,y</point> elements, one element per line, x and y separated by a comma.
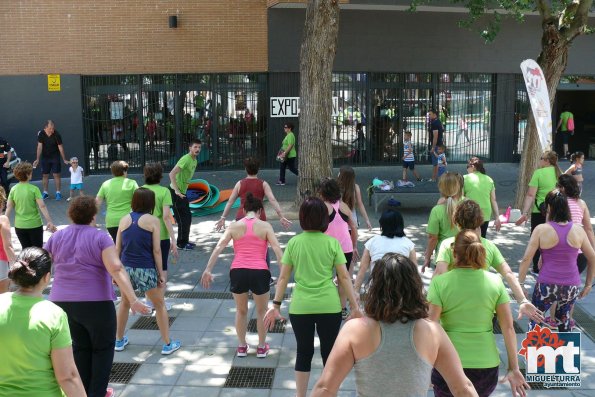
<point>559,262</point>
<point>79,272</point>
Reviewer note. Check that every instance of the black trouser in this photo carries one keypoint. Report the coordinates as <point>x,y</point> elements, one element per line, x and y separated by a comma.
<point>536,220</point>
<point>113,231</point>
<point>288,163</point>
<point>327,327</point>
<point>93,331</point>
<point>484,228</point>
<point>183,217</point>
<point>30,237</point>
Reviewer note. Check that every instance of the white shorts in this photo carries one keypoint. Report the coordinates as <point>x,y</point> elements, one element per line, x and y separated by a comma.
<point>3,270</point>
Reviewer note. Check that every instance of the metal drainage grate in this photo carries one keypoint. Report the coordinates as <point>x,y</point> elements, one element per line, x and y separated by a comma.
<point>149,323</point>
<point>517,328</point>
<point>123,372</point>
<point>585,321</point>
<point>250,378</point>
<point>198,295</point>
<point>279,327</point>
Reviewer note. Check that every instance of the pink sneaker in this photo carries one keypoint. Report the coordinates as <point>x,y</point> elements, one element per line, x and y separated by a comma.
<point>242,351</point>
<point>262,352</point>
<point>551,323</point>
<point>110,392</point>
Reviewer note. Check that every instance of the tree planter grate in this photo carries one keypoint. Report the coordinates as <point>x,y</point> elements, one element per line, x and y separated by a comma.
<point>585,321</point>
<point>250,378</point>
<point>279,327</point>
<point>149,323</point>
<point>123,372</point>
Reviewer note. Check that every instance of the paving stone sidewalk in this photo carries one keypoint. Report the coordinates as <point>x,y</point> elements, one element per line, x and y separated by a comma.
<point>204,320</point>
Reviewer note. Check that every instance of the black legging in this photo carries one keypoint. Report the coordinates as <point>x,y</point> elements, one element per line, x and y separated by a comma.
<point>289,163</point>
<point>30,237</point>
<point>484,228</point>
<point>93,331</point>
<point>327,327</point>
<point>536,220</point>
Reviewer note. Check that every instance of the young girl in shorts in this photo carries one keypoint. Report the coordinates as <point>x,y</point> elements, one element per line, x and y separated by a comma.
<point>138,243</point>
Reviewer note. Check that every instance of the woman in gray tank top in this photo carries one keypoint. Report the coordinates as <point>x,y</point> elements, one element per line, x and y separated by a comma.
<point>394,347</point>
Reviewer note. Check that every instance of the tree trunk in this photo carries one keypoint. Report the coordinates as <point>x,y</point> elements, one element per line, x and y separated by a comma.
<point>317,56</point>
<point>553,60</point>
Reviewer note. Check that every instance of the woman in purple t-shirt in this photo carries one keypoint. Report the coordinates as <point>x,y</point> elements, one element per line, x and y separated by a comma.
<point>85,262</point>
<point>559,240</point>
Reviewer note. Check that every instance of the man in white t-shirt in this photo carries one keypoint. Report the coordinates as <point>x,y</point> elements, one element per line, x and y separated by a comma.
<point>76,177</point>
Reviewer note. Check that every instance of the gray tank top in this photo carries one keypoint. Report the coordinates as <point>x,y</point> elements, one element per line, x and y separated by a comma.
<point>394,369</point>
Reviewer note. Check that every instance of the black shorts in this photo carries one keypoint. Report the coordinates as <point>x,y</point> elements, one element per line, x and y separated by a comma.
<point>349,257</point>
<point>51,164</point>
<point>409,164</point>
<point>244,280</point>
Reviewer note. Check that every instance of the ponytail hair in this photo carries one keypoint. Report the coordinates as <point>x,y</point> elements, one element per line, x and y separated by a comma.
<point>450,187</point>
<point>552,158</point>
<point>31,266</point>
<point>468,250</point>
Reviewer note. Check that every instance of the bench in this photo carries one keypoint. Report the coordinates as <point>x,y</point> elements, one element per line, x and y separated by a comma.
<point>378,196</point>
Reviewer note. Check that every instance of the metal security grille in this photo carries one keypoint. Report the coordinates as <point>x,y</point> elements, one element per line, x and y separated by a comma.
<point>279,327</point>
<point>400,103</point>
<point>123,372</point>
<point>465,105</point>
<point>250,378</point>
<point>350,130</point>
<point>111,112</point>
<point>153,118</point>
<point>149,323</point>
<point>521,115</point>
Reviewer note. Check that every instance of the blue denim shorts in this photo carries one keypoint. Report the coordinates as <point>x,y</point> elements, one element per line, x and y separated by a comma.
<point>142,279</point>
<point>76,186</point>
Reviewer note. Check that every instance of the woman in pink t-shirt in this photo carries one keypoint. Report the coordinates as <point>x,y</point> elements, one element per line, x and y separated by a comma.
<point>249,270</point>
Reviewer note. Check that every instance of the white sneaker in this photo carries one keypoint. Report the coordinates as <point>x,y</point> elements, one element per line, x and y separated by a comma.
<point>69,198</point>
<point>168,306</point>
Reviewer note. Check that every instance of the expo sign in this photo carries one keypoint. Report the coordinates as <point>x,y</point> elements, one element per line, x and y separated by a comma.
<point>290,106</point>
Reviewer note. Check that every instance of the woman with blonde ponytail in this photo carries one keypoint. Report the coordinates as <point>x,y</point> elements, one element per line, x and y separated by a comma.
<point>464,301</point>
<point>441,223</point>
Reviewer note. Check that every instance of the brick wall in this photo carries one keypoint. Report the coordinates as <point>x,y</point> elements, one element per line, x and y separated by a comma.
<point>132,36</point>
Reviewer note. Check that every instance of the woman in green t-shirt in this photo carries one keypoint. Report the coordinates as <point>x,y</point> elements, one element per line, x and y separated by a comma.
<point>441,224</point>
<point>26,201</point>
<point>464,301</point>
<point>542,182</point>
<point>36,345</point>
<point>288,154</point>
<point>480,187</point>
<point>313,257</point>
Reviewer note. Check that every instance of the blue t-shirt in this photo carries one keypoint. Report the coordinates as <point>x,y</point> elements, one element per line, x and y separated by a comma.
<point>436,125</point>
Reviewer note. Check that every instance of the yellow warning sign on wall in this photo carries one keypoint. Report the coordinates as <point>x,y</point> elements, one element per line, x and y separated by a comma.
<point>53,82</point>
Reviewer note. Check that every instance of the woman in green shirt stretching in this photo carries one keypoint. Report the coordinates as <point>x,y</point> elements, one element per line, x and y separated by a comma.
<point>313,257</point>
<point>464,301</point>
